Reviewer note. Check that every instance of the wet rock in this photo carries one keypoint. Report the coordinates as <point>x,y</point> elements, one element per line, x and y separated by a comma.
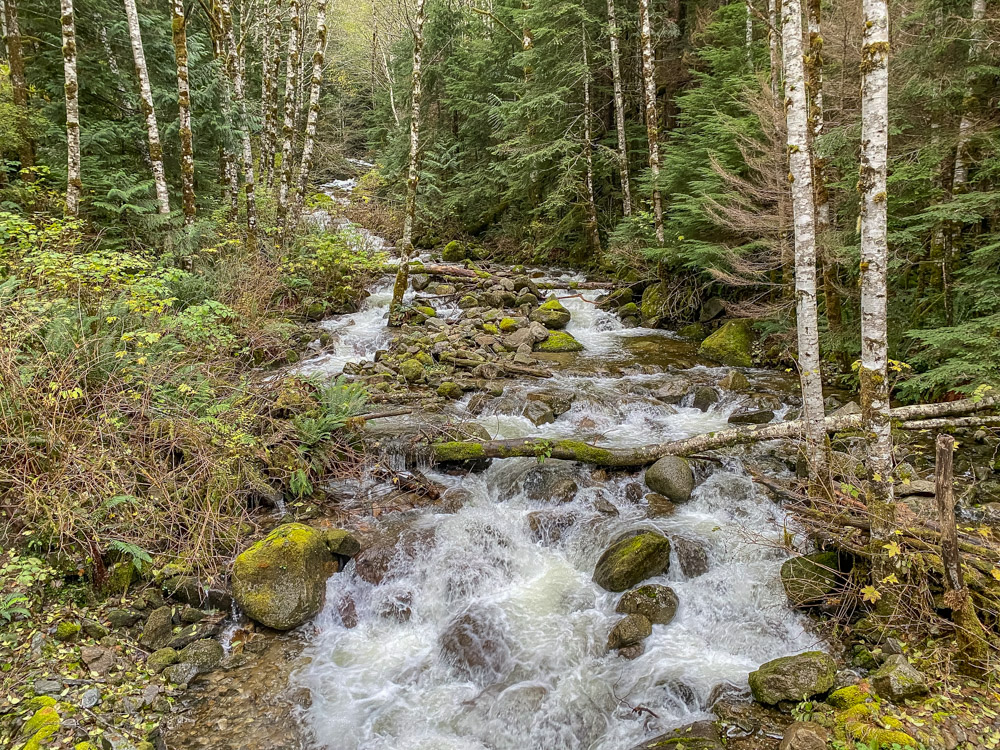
<point>538,413</point>
<point>475,644</point>
<point>603,505</point>
<point>530,335</point>
<point>657,505</point>
<point>629,631</point>
<point>97,659</point>
<point>672,392</point>
<point>656,603</point>
<point>419,281</point>
<point>551,314</point>
<point>190,615</point>
<point>204,654</point>
<point>671,476</point>
<point>615,299</point>
<point>633,492</point>
<point>897,680</point>
<point>804,735</point>
<point>703,397</point>
<point>160,659</point>
<point>549,526</point>
<point>478,403</point>
<point>793,678</point>
<point>632,652</point>
<point>750,415</point>
<point>730,345</point>
<point>734,381</point>
<point>181,673</point>
<point>702,735</point>
<point>559,402</point>
<point>632,560</point>
<point>693,331</point>
<point>691,556</point>
<point>553,480</point>
<point>341,542</point>
<point>377,562</point>
<point>558,342</point>
<point>159,629</point>
<point>808,579</point>
<point>281,580</point>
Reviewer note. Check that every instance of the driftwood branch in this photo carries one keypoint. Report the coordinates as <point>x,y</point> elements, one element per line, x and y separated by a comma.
<point>577,450</point>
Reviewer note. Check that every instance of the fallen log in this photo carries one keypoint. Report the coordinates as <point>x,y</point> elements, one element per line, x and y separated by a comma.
<point>578,450</point>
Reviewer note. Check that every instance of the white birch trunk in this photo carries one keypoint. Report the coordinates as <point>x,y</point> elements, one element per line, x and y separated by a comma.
<point>593,235</point>
<point>74,180</point>
<point>652,128</point>
<point>874,374</point>
<point>616,75</point>
<point>413,175</point>
<point>803,211</point>
<point>961,172</point>
<point>235,73</point>
<point>146,97</point>
<point>179,32</point>
<point>288,125</point>
<point>312,117</point>
<point>816,118</point>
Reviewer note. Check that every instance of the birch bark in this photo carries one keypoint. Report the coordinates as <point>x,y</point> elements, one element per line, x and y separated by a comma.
<point>874,253</point>
<point>146,97</point>
<point>74,180</point>
<point>413,175</point>
<point>804,220</point>
<point>179,32</point>
<point>288,125</point>
<point>616,75</point>
<point>312,118</point>
<point>652,128</point>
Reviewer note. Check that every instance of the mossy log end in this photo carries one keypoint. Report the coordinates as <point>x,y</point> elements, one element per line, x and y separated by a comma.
<point>577,450</point>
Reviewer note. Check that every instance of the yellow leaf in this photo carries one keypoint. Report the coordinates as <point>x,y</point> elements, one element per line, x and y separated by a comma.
<point>877,477</point>
<point>892,548</point>
<point>870,594</point>
<point>995,573</point>
<point>891,578</point>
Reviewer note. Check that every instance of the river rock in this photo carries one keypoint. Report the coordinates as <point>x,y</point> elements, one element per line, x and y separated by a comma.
<point>159,629</point>
<point>793,678</point>
<point>702,735</point>
<point>548,526</point>
<point>160,659</point>
<point>454,252</point>
<point>558,342</point>
<point>281,580</point>
<point>672,392</point>
<point>657,505</point>
<point>632,560</point>
<point>730,345</point>
<point>551,314</point>
<point>703,397</point>
<point>411,370</point>
<point>629,631</point>
<point>671,477</point>
<point>804,735</point>
<point>552,480</point>
<point>809,578</point>
<point>530,335</point>
<point>656,603</point>
<point>559,402</point>
<point>734,381</point>
<point>691,556</point>
<point>538,413</point>
<point>204,654</point>
<point>897,680</point>
<point>181,673</point>
<point>341,542</point>
<point>419,281</point>
<point>475,644</point>
<point>750,415</point>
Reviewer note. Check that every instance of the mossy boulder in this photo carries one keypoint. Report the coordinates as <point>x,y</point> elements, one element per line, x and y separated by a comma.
<point>450,389</point>
<point>849,697</point>
<point>558,341</point>
<point>508,325</point>
<point>551,314</point>
<point>897,680</point>
<point>671,477</point>
<point>120,578</point>
<point>793,678</point>
<point>341,542</point>
<point>426,310</point>
<point>40,728</point>
<point>730,345</point>
<point>205,654</point>
<point>468,301</point>
<point>656,603</point>
<point>655,304</point>
<point>159,629</point>
<point>809,578</point>
<point>160,659</point>
<point>454,252</point>
<point>693,331</point>
<point>281,580</point>
<point>632,560</point>
<point>67,631</point>
<point>411,370</point>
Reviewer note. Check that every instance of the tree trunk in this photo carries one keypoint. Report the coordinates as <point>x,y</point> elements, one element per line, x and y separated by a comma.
<point>288,125</point>
<point>748,42</point>
<point>616,75</point>
<point>961,171</point>
<point>234,71</point>
<point>593,236</point>
<point>19,86</point>
<point>74,180</point>
<point>803,211</point>
<point>274,27</point>
<point>413,175</point>
<point>577,450</point>
<point>652,128</point>
<point>312,118</point>
<point>184,110</point>
<point>874,375</point>
<point>146,96</point>
<point>773,43</point>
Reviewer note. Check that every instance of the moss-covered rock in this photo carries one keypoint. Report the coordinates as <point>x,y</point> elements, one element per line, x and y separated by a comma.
<point>897,680</point>
<point>281,580</point>
<point>850,696</point>
<point>551,314</point>
<point>67,631</point>
<point>730,345</point>
<point>450,389</point>
<point>508,325</point>
<point>120,578</point>
<point>671,476</point>
<point>632,560</point>
<point>40,728</point>
<point>468,301</point>
<point>426,310</point>
<point>159,628</point>
<point>558,341</point>
<point>656,603</point>
<point>693,331</point>
<point>793,678</point>
<point>734,380</point>
<point>205,654</point>
<point>341,542</point>
<point>411,370</point>
<point>655,304</point>
<point>160,659</point>
<point>809,578</point>
<point>702,735</point>
<point>454,252</point>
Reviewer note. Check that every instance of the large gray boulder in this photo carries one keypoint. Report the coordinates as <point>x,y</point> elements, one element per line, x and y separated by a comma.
<point>793,678</point>
<point>671,477</point>
<point>632,560</point>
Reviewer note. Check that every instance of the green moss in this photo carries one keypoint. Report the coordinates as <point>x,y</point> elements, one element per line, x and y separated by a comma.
<point>67,631</point>
<point>40,727</point>
<point>730,345</point>
<point>559,341</point>
<point>427,312</point>
<point>491,328</point>
<point>848,697</point>
<point>450,389</point>
<point>587,453</point>
<point>459,451</point>
<point>508,325</point>
<point>453,252</point>
<point>857,712</point>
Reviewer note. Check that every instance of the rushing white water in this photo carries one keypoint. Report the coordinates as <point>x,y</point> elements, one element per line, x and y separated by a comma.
<point>386,684</point>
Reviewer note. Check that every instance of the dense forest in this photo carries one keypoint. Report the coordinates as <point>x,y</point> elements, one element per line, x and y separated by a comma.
<point>582,293</point>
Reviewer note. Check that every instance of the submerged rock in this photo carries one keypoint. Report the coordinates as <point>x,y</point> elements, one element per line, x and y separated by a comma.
<point>632,560</point>
<point>475,644</point>
<point>750,415</point>
<point>793,678</point>
<point>671,477</point>
<point>703,397</point>
<point>552,480</point>
<point>538,413</point>
<point>656,603</point>
<point>730,345</point>
<point>281,580</point>
<point>691,556</point>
